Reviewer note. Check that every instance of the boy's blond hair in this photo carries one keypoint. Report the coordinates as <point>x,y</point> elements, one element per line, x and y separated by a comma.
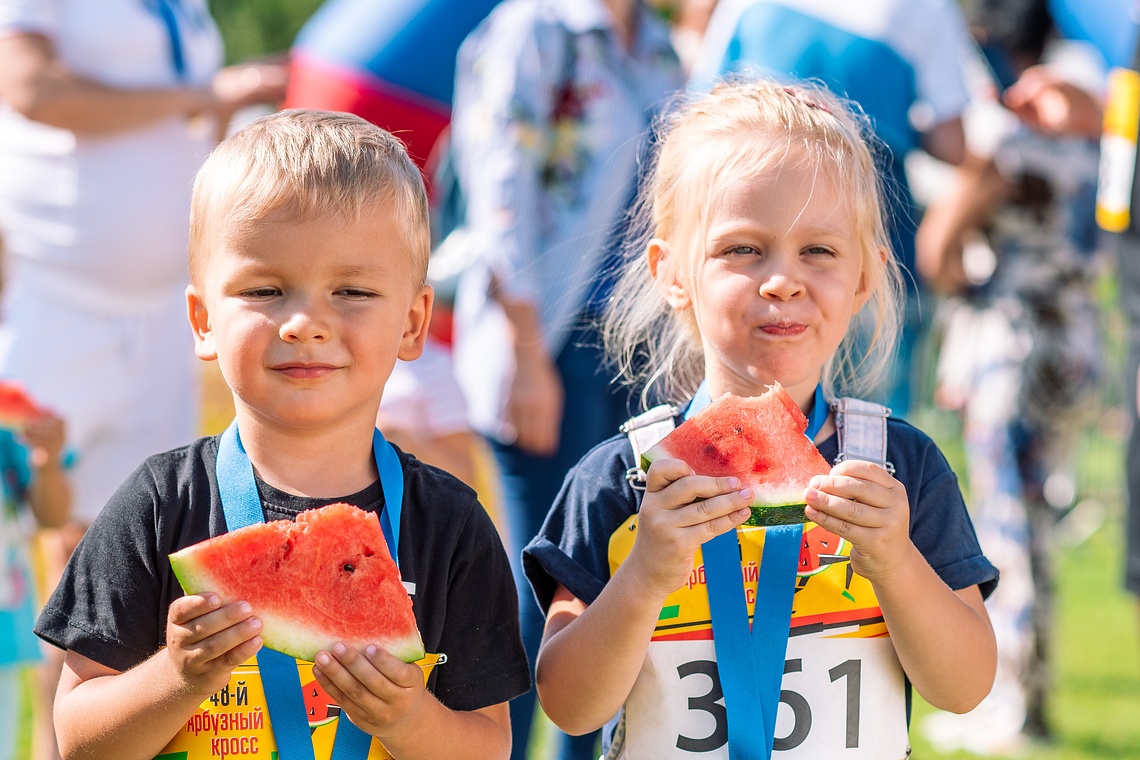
<point>298,165</point>
<point>739,130</point>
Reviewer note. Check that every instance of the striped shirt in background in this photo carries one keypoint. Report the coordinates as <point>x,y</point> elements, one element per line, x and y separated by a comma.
<point>550,110</point>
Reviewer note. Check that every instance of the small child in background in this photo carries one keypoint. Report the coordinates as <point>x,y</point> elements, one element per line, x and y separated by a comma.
<point>765,260</point>
<point>34,493</point>
<point>32,485</point>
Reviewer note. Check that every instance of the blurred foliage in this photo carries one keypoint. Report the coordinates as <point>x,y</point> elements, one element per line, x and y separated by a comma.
<point>253,28</point>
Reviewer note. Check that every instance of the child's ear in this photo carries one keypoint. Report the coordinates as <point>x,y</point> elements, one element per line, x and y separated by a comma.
<point>864,289</point>
<point>416,325</point>
<point>199,317</point>
<point>664,272</point>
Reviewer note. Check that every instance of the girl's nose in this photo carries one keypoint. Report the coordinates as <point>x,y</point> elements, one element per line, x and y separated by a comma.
<point>781,285</point>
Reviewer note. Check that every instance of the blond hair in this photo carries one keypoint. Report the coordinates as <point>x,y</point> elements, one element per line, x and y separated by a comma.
<point>742,129</point>
<point>297,165</point>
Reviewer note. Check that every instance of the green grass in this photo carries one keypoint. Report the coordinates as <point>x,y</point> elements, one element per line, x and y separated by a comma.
<point>1095,706</point>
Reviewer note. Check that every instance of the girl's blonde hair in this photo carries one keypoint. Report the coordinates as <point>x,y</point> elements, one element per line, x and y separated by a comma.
<point>742,129</point>
<point>298,165</point>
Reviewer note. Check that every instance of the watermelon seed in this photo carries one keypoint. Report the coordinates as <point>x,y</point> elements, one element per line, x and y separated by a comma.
<point>349,568</point>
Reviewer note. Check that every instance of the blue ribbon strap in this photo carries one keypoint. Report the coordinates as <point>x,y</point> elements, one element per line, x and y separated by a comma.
<point>756,652</point>
<point>241,506</point>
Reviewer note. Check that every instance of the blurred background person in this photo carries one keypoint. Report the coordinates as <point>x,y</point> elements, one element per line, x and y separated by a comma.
<point>1011,241</point>
<point>106,110</point>
<point>901,61</point>
<point>34,492</point>
<point>552,98</point>
<point>1055,105</point>
<point>390,62</point>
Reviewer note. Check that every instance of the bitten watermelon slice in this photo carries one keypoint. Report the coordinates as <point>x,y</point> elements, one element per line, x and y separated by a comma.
<point>326,577</point>
<point>758,439</point>
<point>16,407</point>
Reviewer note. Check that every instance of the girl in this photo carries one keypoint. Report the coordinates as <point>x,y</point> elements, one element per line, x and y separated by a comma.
<point>766,261</point>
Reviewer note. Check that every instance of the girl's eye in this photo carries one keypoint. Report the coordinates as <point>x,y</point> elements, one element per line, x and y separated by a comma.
<point>743,250</point>
<point>819,250</point>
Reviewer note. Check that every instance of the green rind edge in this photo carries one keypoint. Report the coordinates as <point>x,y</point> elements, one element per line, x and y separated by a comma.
<point>786,514</point>
<point>409,649</point>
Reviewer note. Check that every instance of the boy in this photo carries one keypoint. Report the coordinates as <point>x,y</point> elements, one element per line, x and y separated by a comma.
<point>308,257</point>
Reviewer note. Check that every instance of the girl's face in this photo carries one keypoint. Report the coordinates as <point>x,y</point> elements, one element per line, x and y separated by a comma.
<point>776,284</point>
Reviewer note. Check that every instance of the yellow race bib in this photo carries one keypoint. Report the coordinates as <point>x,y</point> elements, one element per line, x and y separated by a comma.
<point>234,722</point>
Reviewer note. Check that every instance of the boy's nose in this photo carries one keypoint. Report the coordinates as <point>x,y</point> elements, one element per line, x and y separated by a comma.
<point>304,325</point>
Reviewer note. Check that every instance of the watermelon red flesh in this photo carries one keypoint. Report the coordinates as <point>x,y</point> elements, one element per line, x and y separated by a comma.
<point>759,440</point>
<point>16,406</point>
<point>326,577</point>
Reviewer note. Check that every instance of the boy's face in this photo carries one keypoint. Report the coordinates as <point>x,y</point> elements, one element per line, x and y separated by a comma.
<point>307,318</point>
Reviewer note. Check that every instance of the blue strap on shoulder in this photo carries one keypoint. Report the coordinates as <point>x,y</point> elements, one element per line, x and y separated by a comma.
<point>279,676</point>
<point>753,656</point>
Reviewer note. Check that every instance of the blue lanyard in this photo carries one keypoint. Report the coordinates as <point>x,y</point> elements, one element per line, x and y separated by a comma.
<point>753,656</point>
<point>283,697</point>
<point>165,10</point>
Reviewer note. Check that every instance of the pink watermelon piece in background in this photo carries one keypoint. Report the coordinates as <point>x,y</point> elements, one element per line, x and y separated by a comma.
<point>324,578</point>
<point>17,408</point>
<point>758,439</point>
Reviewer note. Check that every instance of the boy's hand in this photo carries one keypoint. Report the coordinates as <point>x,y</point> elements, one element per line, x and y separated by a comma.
<point>680,512</point>
<point>205,641</point>
<point>380,693</point>
<point>863,503</point>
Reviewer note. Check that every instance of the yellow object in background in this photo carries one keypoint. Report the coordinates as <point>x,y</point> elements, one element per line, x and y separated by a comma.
<point>1118,151</point>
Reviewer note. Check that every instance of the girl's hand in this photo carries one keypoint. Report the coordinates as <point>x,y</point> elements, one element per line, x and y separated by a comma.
<point>680,512</point>
<point>863,503</point>
<point>380,693</point>
<point>205,641</point>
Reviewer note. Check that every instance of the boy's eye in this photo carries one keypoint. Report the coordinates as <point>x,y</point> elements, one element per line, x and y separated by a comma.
<point>357,293</point>
<point>743,250</point>
<point>265,292</point>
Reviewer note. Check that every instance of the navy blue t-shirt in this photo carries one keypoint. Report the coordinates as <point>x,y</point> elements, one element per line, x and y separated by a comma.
<point>572,549</point>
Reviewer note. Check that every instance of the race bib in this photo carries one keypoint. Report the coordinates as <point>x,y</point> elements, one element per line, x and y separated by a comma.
<point>839,698</point>
<point>234,722</point>
<point>843,691</point>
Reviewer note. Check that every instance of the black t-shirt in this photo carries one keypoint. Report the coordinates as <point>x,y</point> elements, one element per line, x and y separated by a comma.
<point>112,601</point>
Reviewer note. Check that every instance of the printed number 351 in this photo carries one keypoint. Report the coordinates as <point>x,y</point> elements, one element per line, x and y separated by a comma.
<point>711,702</point>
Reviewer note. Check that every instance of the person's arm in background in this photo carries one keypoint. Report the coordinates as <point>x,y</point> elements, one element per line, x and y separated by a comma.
<point>42,88</point>
<point>49,493</point>
<point>1049,104</point>
<point>940,73</point>
<point>504,96</point>
<point>971,194</point>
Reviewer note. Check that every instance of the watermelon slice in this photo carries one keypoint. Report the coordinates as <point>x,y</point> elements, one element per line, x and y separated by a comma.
<point>758,439</point>
<point>16,407</point>
<point>326,577</point>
